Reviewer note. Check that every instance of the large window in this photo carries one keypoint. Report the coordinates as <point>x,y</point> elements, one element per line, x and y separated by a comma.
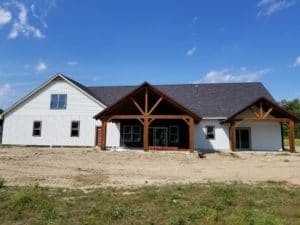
<point>75,127</point>
<point>210,132</point>
<point>37,129</point>
<point>173,134</point>
<point>132,133</point>
<point>58,101</point>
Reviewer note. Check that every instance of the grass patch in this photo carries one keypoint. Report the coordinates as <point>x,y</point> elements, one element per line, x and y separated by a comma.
<point>233,204</point>
<point>286,142</point>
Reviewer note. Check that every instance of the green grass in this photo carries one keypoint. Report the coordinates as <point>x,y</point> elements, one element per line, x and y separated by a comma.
<point>234,204</point>
<point>286,142</point>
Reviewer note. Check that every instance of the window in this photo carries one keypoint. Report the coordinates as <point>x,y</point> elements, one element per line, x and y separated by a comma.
<point>210,132</point>
<point>75,126</point>
<point>58,101</point>
<point>131,133</point>
<point>173,134</point>
<point>37,129</point>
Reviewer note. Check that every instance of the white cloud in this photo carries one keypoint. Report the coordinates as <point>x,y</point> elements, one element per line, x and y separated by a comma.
<point>297,62</point>
<point>22,26</point>
<point>191,51</point>
<point>41,66</point>
<point>5,91</point>
<point>268,7</point>
<point>97,78</point>
<point>5,16</point>
<point>72,63</point>
<point>229,75</point>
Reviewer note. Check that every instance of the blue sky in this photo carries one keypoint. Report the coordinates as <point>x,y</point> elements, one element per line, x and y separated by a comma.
<point>124,42</point>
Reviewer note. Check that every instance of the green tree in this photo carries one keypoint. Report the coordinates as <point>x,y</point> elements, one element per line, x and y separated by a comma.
<point>292,106</point>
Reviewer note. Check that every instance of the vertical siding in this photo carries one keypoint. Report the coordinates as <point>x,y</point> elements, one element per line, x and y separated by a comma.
<point>221,141</point>
<point>113,135</point>
<point>56,124</point>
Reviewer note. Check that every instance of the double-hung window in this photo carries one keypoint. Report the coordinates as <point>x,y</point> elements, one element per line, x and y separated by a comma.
<point>173,134</point>
<point>37,128</point>
<point>75,126</point>
<point>210,132</point>
<point>132,133</point>
<point>58,101</point>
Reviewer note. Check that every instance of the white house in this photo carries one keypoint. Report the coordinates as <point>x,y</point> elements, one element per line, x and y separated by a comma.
<point>63,112</point>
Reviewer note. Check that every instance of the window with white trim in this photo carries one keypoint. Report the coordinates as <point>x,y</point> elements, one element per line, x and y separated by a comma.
<point>210,132</point>
<point>37,128</point>
<point>58,101</point>
<point>75,126</point>
<point>173,134</point>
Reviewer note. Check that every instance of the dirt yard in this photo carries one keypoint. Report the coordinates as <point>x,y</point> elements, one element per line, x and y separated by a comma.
<point>90,168</point>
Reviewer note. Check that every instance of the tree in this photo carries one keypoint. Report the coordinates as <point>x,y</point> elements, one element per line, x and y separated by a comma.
<point>292,106</point>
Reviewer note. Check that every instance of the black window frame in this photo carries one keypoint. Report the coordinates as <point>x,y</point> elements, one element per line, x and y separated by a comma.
<point>177,134</point>
<point>57,106</point>
<point>37,129</point>
<point>75,129</point>
<point>132,133</point>
<point>213,137</point>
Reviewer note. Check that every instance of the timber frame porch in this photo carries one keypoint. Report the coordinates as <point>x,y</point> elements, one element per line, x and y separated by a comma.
<point>263,110</point>
<point>147,104</point>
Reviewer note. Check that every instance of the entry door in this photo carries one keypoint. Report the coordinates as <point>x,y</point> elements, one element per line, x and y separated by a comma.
<point>243,138</point>
<point>160,135</point>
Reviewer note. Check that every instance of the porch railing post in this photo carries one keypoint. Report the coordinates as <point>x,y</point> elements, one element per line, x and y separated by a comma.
<point>103,135</point>
<point>146,134</point>
<point>191,135</point>
<point>292,136</point>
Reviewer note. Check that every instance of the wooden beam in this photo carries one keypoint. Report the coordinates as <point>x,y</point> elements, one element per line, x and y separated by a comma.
<point>255,113</point>
<point>292,136</point>
<point>138,106</point>
<point>146,134</point>
<point>191,135</point>
<point>232,131</point>
<point>187,120</point>
<point>142,122</point>
<point>284,120</point>
<point>155,105</point>
<point>260,109</point>
<point>146,100</point>
<point>268,113</point>
<point>129,117</point>
<point>103,135</point>
<point>150,121</point>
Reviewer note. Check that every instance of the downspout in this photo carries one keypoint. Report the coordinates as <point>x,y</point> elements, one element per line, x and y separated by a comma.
<point>282,136</point>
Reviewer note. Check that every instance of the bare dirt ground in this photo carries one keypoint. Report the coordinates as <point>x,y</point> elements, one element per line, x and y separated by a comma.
<point>90,168</point>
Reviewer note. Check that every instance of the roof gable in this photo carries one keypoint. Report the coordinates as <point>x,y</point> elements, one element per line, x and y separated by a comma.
<point>138,89</point>
<point>73,83</point>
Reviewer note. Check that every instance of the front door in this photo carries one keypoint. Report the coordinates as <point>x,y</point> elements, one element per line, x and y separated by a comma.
<point>243,138</point>
<point>160,136</point>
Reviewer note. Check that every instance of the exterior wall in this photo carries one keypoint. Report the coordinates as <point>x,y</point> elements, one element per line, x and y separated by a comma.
<point>221,141</point>
<point>56,124</point>
<point>113,135</point>
<point>265,136</point>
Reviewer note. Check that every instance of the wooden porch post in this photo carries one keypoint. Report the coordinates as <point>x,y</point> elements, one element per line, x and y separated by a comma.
<point>191,135</point>
<point>146,134</point>
<point>292,136</point>
<point>103,135</point>
<point>232,131</point>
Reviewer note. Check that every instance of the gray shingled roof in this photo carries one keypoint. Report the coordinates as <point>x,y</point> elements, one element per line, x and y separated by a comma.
<point>206,100</point>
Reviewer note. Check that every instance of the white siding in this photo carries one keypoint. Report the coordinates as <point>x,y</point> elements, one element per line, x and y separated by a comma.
<point>265,136</point>
<point>56,124</point>
<point>113,135</point>
<point>221,141</point>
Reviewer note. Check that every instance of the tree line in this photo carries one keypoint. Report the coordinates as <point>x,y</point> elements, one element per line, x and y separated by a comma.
<point>292,106</point>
